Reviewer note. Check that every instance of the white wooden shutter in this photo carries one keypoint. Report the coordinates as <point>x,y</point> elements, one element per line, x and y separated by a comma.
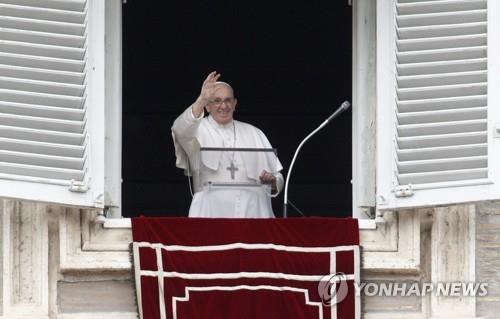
<point>49,103</point>
<point>435,142</point>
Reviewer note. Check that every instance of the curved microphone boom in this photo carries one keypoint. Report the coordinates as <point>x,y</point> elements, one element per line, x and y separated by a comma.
<point>343,107</point>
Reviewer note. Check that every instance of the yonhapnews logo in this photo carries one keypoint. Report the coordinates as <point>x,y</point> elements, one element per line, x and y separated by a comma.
<point>333,289</point>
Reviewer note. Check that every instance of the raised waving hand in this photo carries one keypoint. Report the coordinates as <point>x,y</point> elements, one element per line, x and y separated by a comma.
<point>206,94</point>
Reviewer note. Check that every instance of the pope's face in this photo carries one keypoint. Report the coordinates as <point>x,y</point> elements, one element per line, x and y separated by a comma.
<point>223,104</point>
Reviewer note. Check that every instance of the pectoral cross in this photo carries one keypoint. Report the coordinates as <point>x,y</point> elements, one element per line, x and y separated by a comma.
<point>232,168</point>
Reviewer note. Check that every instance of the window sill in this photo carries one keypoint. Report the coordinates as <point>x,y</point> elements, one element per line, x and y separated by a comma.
<point>112,223</point>
<point>367,224</point>
<point>117,223</point>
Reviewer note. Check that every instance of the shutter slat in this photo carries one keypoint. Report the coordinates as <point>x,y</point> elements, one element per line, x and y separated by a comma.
<point>443,164</point>
<point>412,1</point>
<point>71,5</point>
<point>63,40</point>
<point>440,6</point>
<point>442,103</point>
<point>441,140</point>
<point>49,51</point>
<point>461,41</point>
<point>41,135</point>
<point>442,128</point>
<point>446,176</point>
<point>41,160</point>
<point>442,91</point>
<point>42,86</point>
<point>427,80</point>
<point>42,13</point>
<point>41,123</point>
<point>42,62</point>
<point>442,116</point>
<point>42,111</point>
<point>41,98</point>
<point>41,171</point>
<point>42,25</point>
<point>441,18</point>
<point>442,67</point>
<point>442,30</point>
<point>442,152</point>
<point>454,54</point>
<point>36,147</point>
<point>41,74</point>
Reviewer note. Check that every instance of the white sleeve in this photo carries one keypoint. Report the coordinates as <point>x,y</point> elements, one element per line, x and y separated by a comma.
<point>186,125</point>
<point>184,132</point>
<point>280,182</point>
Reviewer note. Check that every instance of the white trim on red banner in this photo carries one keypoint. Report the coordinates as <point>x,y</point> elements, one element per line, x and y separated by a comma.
<point>137,273</point>
<point>236,275</point>
<point>247,246</point>
<point>333,287</point>
<point>246,287</point>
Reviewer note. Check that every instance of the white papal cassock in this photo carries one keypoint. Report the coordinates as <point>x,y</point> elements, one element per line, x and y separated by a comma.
<point>190,134</point>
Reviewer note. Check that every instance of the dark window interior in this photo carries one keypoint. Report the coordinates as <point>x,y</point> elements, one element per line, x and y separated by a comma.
<point>290,65</point>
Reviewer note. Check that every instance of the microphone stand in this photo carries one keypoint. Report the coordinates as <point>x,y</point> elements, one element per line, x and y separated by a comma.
<point>344,106</point>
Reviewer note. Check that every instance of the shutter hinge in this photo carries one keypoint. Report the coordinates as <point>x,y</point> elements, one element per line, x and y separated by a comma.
<point>497,130</point>
<point>404,190</point>
<point>78,187</point>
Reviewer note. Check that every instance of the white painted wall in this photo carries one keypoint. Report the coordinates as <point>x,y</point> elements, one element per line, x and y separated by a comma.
<point>364,104</point>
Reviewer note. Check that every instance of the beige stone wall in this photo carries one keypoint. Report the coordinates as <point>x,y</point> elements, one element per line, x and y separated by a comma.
<point>488,258</point>
<point>99,296</point>
<point>56,262</point>
<point>438,248</point>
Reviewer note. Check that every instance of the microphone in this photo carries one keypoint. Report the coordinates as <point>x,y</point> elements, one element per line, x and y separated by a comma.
<point>343,107</point>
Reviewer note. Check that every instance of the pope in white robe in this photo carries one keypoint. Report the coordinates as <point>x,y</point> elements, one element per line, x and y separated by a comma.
<point>192,131</point>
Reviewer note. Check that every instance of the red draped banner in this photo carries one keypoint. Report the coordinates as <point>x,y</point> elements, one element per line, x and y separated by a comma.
<point>194,268</point>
